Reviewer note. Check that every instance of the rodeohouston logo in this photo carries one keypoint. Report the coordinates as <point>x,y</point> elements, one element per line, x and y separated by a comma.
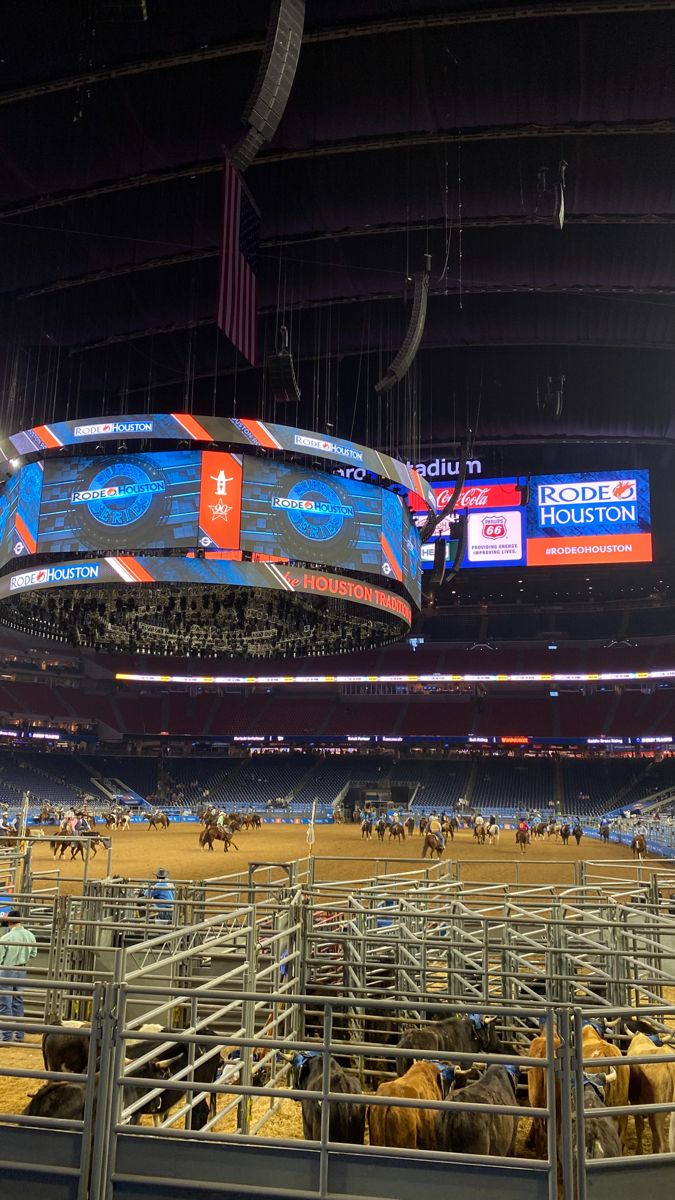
<point>107,428</point>
<point>587,503</point>
<point>318,507</point>
<point>328,447</point>
<point>119,491</point>
<point>44,576</point>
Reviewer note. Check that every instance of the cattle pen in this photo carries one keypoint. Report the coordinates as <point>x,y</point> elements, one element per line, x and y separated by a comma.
<point>275,961</point>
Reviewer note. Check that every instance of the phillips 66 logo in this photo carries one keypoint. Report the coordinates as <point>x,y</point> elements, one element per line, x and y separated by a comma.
<point>494,527</point>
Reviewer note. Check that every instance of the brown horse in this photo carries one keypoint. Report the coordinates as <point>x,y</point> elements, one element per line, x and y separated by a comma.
<point>216,833</point>
<point>522,839</point>
<point>479,834</point>
<point>433,843</point>
<point>76,846</point>
<point>638,846</point>
<point>397,831</point>
<point>367,829</point>
<point>156,820</point>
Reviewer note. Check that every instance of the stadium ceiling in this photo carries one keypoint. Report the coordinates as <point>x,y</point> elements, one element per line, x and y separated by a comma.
<point>412,126</point>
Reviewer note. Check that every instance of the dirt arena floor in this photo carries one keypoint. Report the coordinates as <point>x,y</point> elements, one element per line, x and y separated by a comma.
<point>340,851</point>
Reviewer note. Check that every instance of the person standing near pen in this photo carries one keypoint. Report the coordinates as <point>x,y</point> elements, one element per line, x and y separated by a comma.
<point>17,947</point>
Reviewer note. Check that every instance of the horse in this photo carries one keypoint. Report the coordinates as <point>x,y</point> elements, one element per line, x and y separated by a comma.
<point>76,846</point>
<point>117,820</point>
<point>604,833</point>
<point>522,839</point>
<point>565,832</point>
<point>410,826</point>
<point>577,833</point>
<point>156,819</point>
<point>493,833</point>
<point>380,828</point>
<point>479,834</point>
<point>397,832</point>
<point>424,821</point>
<point>448,828</point>
<point>367,829</point>
<point>539,830</point>
<point>552,829</point>
<point>432,843</point>
<point>216,833</point>
<point>639,846</point>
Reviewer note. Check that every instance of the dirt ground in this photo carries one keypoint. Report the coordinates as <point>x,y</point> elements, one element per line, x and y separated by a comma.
<point>137,852</point>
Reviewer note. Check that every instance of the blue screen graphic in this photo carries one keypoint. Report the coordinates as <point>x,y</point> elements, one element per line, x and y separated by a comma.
<point>139,501</point>
<point>311,517</point>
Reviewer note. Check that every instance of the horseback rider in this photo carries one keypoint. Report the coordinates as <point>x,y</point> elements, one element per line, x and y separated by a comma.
<point>523,825</point>
<point>222,817</point>
<point>435,827</point>
<point>82,825</point>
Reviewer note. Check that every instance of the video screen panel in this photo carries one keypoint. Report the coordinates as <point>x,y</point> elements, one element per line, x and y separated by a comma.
<point>412,557</point>
<point>590,518</point>
<point>147,501</point>
<point>568,520</point>
<point>19,512</point>
<point>312,517</point>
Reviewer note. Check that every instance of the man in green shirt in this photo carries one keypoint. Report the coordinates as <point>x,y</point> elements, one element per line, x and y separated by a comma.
<point>17,946</point>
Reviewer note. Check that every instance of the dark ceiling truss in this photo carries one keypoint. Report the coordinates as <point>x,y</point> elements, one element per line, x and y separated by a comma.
<point>336,235</point>
<point>393,25</point>
<point>618,292</point>
<point>352,146</point>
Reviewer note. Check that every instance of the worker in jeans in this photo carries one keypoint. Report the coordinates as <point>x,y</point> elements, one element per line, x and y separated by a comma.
<point>17,947</point>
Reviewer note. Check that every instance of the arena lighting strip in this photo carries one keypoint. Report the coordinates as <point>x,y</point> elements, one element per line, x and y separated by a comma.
<point>604,677</point>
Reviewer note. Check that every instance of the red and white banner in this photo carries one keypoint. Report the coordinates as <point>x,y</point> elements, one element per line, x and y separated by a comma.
<point>220,500</point>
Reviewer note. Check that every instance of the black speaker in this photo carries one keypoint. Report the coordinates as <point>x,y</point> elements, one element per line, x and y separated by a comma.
<point>402,362</point>
<point>268,99</point>
<point>281,378</point>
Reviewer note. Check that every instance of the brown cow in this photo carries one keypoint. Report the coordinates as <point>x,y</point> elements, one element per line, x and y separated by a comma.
<point>593,1045</point>
<point>537,1091</point>
<point>616,1090</point>
<point>651,1083</point>
<point>413,1128</point>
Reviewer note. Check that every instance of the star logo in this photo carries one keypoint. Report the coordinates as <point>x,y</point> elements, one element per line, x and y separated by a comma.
<point>220,510</point>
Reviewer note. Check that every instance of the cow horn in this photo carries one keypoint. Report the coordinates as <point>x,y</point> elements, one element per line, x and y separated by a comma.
<point>489,1020</point>
<point>612,1024</point>
<point>610,1077</point>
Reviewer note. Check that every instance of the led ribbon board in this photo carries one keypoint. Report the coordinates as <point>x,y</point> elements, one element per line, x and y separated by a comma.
<point>129,569</point>
<point>227,430</point>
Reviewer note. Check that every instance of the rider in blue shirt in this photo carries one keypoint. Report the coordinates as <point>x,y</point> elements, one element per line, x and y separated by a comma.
<point>163,892</point>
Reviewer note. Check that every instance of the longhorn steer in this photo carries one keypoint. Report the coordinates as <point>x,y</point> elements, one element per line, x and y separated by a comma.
<point>413,1128</point>
<point>347,1121</point>
<point>463,1035</point>
<point>478,1133</point>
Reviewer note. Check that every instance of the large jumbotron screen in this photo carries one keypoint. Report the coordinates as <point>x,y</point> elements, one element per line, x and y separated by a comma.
<point>213,500</point>
<point>548,520</point>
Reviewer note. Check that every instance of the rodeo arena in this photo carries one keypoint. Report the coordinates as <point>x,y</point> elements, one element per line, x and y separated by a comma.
<point>337,600</point>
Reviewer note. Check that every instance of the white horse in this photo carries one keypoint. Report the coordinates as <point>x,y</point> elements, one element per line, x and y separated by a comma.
<point>493,834</point>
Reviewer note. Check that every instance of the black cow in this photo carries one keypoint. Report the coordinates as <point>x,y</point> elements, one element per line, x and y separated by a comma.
<point>465,1035</point>
<point>177,1055</point>
<point>347,1121</point>
<point>65,1101</point>
<point>477,1133</point>
<point>601,1137</point>
<point>69,1051</point>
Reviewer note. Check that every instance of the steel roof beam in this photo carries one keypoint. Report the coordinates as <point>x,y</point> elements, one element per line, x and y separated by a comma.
<point>357,146</point>
<point>379,297</point>
<point>393,25</point>
<point>299,239</point>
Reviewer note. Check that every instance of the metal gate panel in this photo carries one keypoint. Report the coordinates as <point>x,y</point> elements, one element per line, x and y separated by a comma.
<point>40,1162</point>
